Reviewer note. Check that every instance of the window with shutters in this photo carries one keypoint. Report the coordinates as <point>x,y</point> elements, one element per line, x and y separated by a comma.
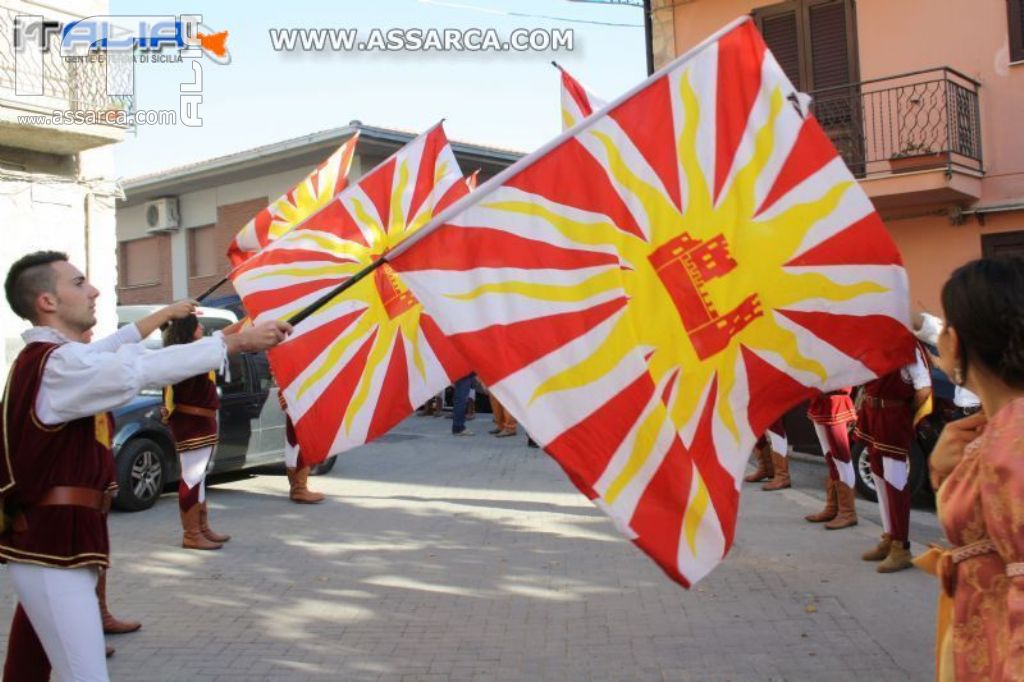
<point>1016,18</point>
<point>202,251</point>
<point>813,40</point>
<point>139,262</point>
<point>815,43</point>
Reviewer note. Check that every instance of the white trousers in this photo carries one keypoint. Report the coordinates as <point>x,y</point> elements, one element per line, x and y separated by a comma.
<point>291,455</point>
<point>194,464</point>
<point>61,605</point>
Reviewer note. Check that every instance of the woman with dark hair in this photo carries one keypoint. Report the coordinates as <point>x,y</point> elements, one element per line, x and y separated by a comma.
<point>978,469</point>
<point>191,412</point>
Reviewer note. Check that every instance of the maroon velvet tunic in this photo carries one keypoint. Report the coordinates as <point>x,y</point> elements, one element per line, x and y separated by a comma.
<point>834,407</point>
<point>888,428</point>
<point>35,458</point>
<point>193,431</point>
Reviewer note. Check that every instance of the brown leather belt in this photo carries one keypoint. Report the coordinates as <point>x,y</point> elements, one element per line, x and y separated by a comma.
<point>68,496</point>
<point>196,411</point>
<point>882,402</point>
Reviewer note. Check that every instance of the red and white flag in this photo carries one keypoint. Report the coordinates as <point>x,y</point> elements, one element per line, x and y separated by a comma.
<point>577,101</point>
<point>300,202</point>
<point>369,357</point>
<point>652,289</point>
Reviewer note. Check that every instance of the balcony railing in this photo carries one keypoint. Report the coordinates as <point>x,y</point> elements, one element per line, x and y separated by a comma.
<point>914,121</point>
<point>66,84</point>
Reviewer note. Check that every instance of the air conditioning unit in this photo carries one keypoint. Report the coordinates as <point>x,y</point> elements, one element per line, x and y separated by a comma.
<point>162,215</point>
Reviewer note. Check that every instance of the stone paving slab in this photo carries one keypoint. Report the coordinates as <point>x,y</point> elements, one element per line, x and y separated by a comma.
<point>441,558</point>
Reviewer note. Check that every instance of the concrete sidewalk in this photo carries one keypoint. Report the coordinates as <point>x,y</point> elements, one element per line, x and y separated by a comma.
<point>441,558</point>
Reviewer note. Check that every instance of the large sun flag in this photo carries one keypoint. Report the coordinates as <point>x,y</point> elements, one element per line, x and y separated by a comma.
<point>651,290</point>
<point>365,360</point>
<point>577,101</point>
<point>300,202</point>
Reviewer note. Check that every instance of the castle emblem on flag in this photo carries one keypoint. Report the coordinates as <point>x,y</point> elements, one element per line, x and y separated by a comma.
<point>685,265</point>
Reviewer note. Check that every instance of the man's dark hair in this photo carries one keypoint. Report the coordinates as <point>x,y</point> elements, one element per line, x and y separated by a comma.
<point>30,276</point>
<point>984,301</point>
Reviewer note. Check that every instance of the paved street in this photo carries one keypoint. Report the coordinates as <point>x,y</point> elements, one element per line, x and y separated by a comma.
<point>441,558</point>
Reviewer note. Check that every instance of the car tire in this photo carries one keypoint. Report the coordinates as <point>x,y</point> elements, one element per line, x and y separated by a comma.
<point>141,472</point>
<point>865,482</point>
<point>324,467</point>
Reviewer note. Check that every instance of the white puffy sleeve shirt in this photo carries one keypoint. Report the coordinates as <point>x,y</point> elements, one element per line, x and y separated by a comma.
<point>83,379</point>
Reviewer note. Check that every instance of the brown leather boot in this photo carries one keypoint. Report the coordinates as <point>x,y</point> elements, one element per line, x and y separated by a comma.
<point>204,526</point>
<point>193,537</point>
<point>847,514</point>
<point>899,559</point>
<point>764,469</point>
<point>781,478</point>
<point>831,504</point>
<point>881,551</point>
<point>300,493</point>
<point>111,625</point>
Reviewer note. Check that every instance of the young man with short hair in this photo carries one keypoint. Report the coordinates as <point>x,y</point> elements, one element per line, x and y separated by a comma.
<point>56,467</point>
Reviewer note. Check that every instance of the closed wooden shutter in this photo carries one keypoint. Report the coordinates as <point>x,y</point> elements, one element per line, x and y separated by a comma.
<point>782,34</point>
<point>830,46</point>
<point>1015,11</point>
<point>813,41</point>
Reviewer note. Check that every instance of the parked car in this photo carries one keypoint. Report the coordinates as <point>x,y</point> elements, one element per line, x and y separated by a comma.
<point>212,319</point>
<point>251,425</point>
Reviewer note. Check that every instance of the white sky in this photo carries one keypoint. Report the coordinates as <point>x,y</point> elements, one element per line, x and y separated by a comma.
<point>500,99</point>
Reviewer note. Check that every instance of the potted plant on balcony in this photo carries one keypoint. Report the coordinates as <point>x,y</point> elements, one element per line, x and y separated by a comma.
<point>917,156</point>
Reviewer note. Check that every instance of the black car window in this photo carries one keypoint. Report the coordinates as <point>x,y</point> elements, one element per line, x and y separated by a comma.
<point>261,365</point>
<point>238,375</point>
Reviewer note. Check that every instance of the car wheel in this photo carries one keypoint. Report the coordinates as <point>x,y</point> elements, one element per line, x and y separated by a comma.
<point>141,466</point>
<point>865,482</point>
<point>324,467</point>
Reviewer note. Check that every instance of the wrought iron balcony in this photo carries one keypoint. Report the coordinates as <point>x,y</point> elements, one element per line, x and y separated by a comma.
<point>924,120</point>
<point>61,84</point>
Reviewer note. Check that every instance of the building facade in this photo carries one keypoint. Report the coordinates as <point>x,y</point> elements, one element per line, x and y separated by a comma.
<point>174,226</point>
<point>56,190</point>
<point>921,97</point>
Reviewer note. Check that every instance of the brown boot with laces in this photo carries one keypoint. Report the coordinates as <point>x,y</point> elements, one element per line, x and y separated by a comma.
<point>881,551</point>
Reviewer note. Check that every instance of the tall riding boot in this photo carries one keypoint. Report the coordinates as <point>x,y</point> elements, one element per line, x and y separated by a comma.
<point>204,526</point>
<point>847,515</point>
<point>881,551</point>
<point>193,537</point>
<point>781,478</point>
<point>300,493</point>
<point>111,625</point>
<point>831,504</point>
<point>764,469</point>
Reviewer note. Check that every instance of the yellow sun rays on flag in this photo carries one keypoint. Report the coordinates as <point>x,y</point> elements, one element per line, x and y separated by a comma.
<point>649,292</point>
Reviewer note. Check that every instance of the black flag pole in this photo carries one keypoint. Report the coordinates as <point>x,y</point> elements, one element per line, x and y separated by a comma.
<point>212,289</point>
<point>326,298</point>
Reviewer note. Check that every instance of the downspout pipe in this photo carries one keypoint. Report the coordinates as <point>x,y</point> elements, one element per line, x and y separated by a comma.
<point>649,35</point>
